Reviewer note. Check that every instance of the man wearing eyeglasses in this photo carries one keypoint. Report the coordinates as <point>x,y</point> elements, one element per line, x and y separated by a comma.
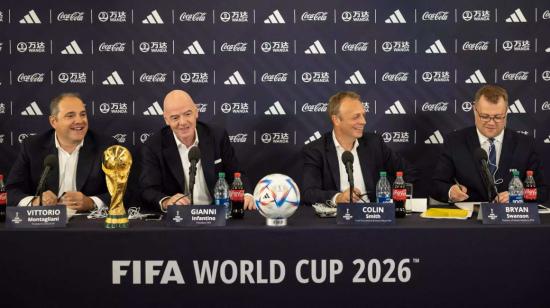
<point>457,176</point>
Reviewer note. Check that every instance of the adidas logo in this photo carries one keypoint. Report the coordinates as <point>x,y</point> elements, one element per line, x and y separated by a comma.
<point>435,138</point>
<point>32,110</point>
<point>516,107</point>
<point>316,135</point>
<point>436,47</point>
<point>276,109</point>
<point>396,18</point>
<point>315,48</point>
<point>547,140</point>
<point>72,49</point>
<point>476,77</point>
<point>516,16</point>
<point>113,79</point>
<point>396,108</point>
<point>30,18</point>
<point>275,18</point>
<point>154,109</point>
<point>194,49</point>
<point>356,78</point>
<point>153,19</point>
<point>235,79</point>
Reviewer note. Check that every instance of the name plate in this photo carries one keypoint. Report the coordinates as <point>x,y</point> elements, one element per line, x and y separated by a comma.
<point>36,216</point>
<point>195,215</point>
<point>365,214</point>
<point>510,213</point>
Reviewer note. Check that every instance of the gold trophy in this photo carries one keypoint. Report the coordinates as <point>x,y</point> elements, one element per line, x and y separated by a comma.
<point>117,161</point>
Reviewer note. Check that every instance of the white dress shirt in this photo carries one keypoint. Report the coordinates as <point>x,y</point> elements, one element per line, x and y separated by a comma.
<point>358,180</point>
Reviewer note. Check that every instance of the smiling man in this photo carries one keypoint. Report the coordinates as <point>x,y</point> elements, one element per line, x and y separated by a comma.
<point>325,176</point>
<point>78,180</point>
<point>165,163</point>
<point>505,149</point>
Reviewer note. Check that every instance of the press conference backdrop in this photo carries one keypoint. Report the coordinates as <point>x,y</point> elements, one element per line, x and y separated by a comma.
<point>265,69</point>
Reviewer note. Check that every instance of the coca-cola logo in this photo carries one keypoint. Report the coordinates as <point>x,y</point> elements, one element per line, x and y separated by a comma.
<point>24,136</point>
<point>319,107</point>
<point>477,46</point>
<point>521,75</point>
<point>238,138</point>
<point>545,106</point>
<point>143,137</point>
<point>359,46</point>
<point>318,16</point>
<point>440,106</point>
<point>201,107</point>
<point>237,47</point>
<point>197,16</point>
<point>398,77</point>
<point>75,16</point>
<point>279,77</point>
<point>115,47</point>
<point>153,78</point>
<point>546,14</point>
<point>31,78</point>
<point>437,16</point>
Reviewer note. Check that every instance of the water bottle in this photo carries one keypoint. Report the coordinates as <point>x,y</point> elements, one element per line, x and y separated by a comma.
<point>529,188</point>
<point>221,194</point>
<point>515,189</point>
<point>383,189</point>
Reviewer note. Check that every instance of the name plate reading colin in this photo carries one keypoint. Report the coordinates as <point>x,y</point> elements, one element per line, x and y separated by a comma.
<point>365,214</point>
<point>510,213</point>
<point>36,216</point>
<point>195,215</point>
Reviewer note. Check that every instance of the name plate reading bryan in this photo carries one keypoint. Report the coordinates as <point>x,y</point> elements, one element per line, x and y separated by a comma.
<point>36,216</point>
<point>510,213</point>
<point>195,215</point>
<point>365,214</point>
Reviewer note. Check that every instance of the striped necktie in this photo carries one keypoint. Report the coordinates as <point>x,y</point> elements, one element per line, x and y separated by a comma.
<point>492,157</point>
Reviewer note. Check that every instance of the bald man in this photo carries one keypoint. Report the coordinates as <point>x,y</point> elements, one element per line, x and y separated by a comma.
<point>165,164</point>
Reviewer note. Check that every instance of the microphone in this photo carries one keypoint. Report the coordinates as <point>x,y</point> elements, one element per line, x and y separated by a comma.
<point>347,159</point>
<point>50,163</point>
<point>194,156</point>
<point>488,179</point>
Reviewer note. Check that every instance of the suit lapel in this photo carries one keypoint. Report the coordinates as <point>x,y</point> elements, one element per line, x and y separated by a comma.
<point>473,143</point>
<point>363,153</point>
<point>172,158</point>
<point>52,181</point>
<point>207,158</point>
<point>332,159</point>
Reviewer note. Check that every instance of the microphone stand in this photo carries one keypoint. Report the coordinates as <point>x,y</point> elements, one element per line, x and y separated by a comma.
<point>192,173</point>
<point>349,169</point>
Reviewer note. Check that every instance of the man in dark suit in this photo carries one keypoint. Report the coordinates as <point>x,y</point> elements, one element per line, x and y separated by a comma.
<point>506,150</point>
<point>78,180</point>
<point>165,164</point>
<point>325,175</point>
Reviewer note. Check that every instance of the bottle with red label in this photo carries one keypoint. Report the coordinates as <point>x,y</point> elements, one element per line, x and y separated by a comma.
<point>3,199</point>
<point>399,195</point>
<point>236,195</point>
<point>529,188</point>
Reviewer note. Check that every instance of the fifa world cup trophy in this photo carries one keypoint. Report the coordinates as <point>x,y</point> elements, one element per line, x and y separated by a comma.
<point>117,161</point>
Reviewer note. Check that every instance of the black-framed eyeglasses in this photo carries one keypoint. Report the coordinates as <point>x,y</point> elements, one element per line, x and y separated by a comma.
<point>487,118</point>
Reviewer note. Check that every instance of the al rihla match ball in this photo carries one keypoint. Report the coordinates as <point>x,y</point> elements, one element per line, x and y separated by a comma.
<point>276,196</point>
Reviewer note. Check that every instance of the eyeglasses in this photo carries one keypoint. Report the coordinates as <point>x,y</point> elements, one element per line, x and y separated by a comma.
<point>487,118</point>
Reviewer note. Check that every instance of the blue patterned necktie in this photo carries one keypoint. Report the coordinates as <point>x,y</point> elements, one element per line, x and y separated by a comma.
<point>492,157</point>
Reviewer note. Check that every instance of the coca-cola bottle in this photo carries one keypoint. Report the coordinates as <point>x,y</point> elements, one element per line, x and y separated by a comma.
<point>529,188</point>
<point>3,199</point>
<point>236,195</point>
<point>399,195</point>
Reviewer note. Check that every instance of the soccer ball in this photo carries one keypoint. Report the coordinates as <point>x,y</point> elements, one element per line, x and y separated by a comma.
<point>276,196</point>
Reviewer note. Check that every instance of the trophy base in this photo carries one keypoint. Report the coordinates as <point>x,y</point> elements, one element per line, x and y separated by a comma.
<point>117,221</point>
<point>276,222</point>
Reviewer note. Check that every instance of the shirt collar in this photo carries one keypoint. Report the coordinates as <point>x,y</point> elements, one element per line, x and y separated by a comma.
<point>179,143</point>
<point>482,139</point>
<point>339,147</point>
<point>59,148</point>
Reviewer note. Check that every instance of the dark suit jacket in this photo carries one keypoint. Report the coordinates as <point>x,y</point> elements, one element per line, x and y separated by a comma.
<point>162,174</point>
<point>457,161</point>
<point>321,180</point>
<point>26,171</point>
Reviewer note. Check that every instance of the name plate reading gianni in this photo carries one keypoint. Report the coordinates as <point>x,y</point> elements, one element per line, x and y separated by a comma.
<point>510,213</point>
<point>36,216</point>
<point>195,215</point>
<point>374,214</point>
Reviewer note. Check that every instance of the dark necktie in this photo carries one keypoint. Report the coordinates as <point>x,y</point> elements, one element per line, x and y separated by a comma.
<point>492,157</point>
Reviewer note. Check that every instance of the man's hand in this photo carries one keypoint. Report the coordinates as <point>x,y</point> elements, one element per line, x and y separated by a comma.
<point>343,197</point>
<point>77,201</point>
<point>179,199</point>
<point>48,198</point>
<point>458,193</point>
<point>503,197</point>
<point>249,203</point>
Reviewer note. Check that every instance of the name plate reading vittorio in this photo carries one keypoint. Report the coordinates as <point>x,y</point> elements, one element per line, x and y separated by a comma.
<point>510,213</point>
<point>375,214</point>
<point>36,216</point>
<point>195,215</point>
